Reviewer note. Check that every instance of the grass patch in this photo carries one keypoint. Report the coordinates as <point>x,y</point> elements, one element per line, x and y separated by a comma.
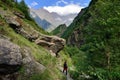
<point>47,76</point>
<point>35,26</point>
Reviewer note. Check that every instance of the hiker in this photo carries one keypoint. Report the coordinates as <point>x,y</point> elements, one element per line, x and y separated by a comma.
<point>65,67</point>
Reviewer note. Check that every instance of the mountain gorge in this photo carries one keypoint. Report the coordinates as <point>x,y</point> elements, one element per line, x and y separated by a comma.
<point>50,21</point>
<point>90,44</point>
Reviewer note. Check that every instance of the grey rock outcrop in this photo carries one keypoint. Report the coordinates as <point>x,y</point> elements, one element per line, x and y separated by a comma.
<point>19,14</point>
<point>10,57</point>
<point>13,58</point>
<point>53,43</point>
<point>17,25</point>
<point>12,20</point>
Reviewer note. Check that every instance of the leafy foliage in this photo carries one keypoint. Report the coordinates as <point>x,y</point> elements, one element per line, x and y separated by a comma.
<point>100,27</point>
<point>78,60</point>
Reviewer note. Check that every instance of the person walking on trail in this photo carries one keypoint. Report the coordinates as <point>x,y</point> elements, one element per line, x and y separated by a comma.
<point>65,67</point>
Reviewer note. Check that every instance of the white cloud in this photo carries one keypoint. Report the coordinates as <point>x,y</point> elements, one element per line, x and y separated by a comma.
<point>61,1</point>
<point>33,4</point>
<point>64,10</point>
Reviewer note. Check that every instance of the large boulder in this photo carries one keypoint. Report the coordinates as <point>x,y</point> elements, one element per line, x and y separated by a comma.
<point>10,57</point>
<point>13,58</point>
<point>32,35</point>
<point>12,20</point>
<point>53,43</point>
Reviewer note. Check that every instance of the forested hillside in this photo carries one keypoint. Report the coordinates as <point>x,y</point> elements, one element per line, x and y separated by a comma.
<point>96,32</point>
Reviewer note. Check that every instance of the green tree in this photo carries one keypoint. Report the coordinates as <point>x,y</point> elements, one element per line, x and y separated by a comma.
<point>24,8</point>
<point>102,39</point>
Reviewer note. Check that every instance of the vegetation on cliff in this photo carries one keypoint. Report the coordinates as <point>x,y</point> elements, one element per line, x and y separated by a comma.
<point>98,26</point>
<point>59,30</point>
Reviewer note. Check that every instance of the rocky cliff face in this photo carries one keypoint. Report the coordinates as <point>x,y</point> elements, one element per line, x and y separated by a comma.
<point>74,33</point>
<point>52,43</point>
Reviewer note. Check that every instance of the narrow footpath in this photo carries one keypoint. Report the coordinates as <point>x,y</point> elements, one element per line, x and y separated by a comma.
<point>67,76</point>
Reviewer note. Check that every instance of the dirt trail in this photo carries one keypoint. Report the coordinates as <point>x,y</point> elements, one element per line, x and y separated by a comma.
<point>67,76</point>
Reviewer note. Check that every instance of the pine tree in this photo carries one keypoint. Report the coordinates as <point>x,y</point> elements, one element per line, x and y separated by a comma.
<point>24,8</point>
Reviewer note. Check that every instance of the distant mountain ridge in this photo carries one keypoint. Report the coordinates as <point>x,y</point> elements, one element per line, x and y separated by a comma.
<point>50,21</point>
<point>59,30</point>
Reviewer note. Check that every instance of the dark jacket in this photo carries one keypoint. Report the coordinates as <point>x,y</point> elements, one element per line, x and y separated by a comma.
<point>65,65</point>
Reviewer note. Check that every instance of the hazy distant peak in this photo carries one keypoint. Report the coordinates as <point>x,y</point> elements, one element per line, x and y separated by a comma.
<point>51,17</point>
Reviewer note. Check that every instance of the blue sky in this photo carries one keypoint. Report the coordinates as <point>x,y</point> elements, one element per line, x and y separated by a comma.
<point>41,3</point>
<point>62,7</point>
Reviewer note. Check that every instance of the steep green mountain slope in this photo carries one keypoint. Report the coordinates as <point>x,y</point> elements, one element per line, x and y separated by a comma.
<point>59,30</point>
<point>96,32</point>
<point>21,55</point>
